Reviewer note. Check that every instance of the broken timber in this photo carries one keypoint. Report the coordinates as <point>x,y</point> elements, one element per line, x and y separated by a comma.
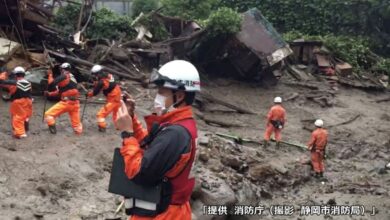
<point>224,103</point>
<point>302,84</point>
<point>346,122</point>
<point>221,123</point>
<point>382,100</point>
<point>89,64</point>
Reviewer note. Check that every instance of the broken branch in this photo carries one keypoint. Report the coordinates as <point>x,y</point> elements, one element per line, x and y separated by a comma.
<point>346,122</point>
<point>224,103</point>
<point>89,64</point>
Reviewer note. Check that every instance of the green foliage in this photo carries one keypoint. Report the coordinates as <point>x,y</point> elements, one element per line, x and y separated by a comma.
<point>369,18</point>
<point>144,6</point>
<point>224,21</point>
<point>189,9</point>
<point>107,24</point>
<point>104,23</point>
<point>65,18</point>
<point>383,66</point>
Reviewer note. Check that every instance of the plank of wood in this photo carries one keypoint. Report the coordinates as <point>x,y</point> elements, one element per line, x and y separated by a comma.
<point>224,103</point>
<point>346,122</point>
<point>89,64</point>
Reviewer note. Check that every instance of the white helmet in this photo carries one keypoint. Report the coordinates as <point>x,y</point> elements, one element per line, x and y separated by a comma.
<point>177,74</point>
<point>278,100</point>
<point>19,69</point>
<point>96,68</point>
<point>65,66</point>
<point>319,123</point>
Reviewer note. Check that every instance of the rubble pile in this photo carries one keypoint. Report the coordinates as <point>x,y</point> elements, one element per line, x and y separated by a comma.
<point>312,61</point>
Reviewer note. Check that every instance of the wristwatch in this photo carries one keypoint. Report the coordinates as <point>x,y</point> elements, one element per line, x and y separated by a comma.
<point>126,134</point>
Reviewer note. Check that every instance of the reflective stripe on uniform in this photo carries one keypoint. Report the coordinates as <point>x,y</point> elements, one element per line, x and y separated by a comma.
<point>23,85</point>
<point>138,203</point>
<point>49,117</point>
<point>129,203</point>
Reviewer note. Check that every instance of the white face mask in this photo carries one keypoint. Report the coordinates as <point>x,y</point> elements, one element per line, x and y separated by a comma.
<point>159,104</point>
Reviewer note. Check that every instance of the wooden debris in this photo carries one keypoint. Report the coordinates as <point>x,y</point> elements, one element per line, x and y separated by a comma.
<point>296,73</point>
<point>346,122</point>
<point>303,84</point>
<point>383,100</point>
<point>323,60</point>
<point>89,64</point>
<point>222,123</point>
<point>292,97</point>
<point>344,69</point>
<point>226,104</point>
<point>361,84</point>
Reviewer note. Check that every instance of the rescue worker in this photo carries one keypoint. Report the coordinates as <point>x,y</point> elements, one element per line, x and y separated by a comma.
<point>67,89</point>
<point>317,145</point>
<point>21,106</point>
<point>3,73</point>
<point>276,119</point>
<point>164,153</point>
<point>105,82</point>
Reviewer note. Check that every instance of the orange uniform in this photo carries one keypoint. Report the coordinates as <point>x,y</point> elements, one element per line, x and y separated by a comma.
<point>113,97</point>
<point>67,89</point>
<point>276,114</point>
<point>317,145</point>
<point>21,106</point>
<point>164,158</point>
<point>50,78</point>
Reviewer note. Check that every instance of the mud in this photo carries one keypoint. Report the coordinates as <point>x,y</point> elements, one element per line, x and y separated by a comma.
<point>64,176</point>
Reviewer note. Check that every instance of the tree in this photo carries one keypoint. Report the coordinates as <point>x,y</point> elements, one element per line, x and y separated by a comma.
<point>224,21</point>
<point>144,6</point>
<point>189,9</point>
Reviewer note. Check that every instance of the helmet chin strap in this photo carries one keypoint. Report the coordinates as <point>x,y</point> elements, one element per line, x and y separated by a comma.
<point>175,103</point>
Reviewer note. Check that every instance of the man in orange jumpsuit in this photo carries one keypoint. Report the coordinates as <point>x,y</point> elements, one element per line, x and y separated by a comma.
<point>111,90</point>
<point>317,145</point>
<point>21,106</point>
<point>67,89</point>
<point>164,154</point>
<point>276,119</point>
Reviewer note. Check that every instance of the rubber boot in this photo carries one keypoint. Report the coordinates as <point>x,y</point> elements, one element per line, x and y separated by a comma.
<point>26,126</point>
<point>317,176</point>
<point>21,136</point>
<point>101,129</point>
<point>265,144</point>
<point>277,144</point>
<point>53,129</point>
<point>322,177</point>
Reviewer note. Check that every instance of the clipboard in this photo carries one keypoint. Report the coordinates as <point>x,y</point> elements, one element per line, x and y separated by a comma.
<point>120,184</point>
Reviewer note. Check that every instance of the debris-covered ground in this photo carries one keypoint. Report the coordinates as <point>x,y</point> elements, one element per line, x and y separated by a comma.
<point>65,176</point>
